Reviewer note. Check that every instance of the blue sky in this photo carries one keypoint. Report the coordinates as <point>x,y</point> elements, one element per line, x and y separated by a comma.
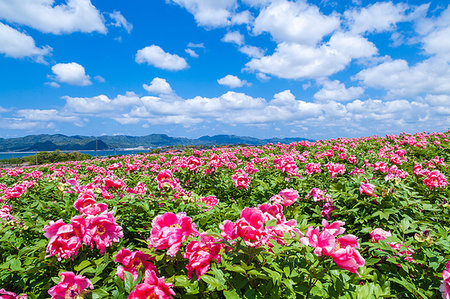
<point>262,68</point>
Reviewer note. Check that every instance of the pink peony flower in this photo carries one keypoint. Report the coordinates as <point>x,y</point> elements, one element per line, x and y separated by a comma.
<point>153,287</point>
<point>311,168</point>
<point>200,253</point>
<point>323,242</point>
<point>348,258</point>
<point>65,239</point>
<point>170,231</point>
<point>165,179</point>
<point>131,262</point>
<point>445,286</point>
<point>335,168</point>
<point>435,179</point>
<point>5,213</point>
<point>71,286</point>
<point>11,295</point>
<point>86,204</point>
<point>211,201</point>
<point>336,228</point>
<point>102,230</point>
<point>286,197</point>
<point>367,189</point>
<point>379,234</point>
<point>241,179</point>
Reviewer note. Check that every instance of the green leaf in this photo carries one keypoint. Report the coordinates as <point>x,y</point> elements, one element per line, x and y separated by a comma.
<point>82,265</point>
<point>128,281</point>
<point>231,294</point>
<point>99,293</point>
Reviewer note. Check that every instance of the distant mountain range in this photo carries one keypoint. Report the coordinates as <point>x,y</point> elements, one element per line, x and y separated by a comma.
<point>47,142</point>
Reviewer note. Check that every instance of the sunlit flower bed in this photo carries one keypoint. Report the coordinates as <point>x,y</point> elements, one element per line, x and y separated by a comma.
<point>343,218</point>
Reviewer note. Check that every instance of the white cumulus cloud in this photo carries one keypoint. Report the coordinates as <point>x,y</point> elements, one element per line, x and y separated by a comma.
<point>295,22</point>
<point>158,86</point>
<point>71,73</point>
<point>48,17</point>
<point>156,56</point>
<point>210,13</point>
<point>17,44</point>
<point>336,91</point>
<point>378,17</point>
<point>232,81</point>
<point>233,37</point>
<point>120,21</point>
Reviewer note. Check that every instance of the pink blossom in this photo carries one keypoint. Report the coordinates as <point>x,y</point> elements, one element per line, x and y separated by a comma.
<point>323,242</point>
<point>311,168</point>
<point>200,253</point>
<point>445,286</point>
<point>65,239</point>
<point>335,168</point>
<point>153,287</point>
<point>379,234</point>
<point>11,295</point>
<point>170,231</point>
<point>241,179</point>
<point>5,213</point>
<point>367,189</point>
<point>86,204</point>
<point>132,262</point>
<point>335,228</point>
<point>71,286</point>
<point>103,231</point>
<point>286,197</point>
<point>165,179</point>
<point>435,179</point>
<point>348,258</point>
<point>211,201</point>
<point>251,227</point>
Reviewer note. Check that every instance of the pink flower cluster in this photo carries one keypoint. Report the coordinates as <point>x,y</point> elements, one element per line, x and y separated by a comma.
<point>132,262</point>
<point>445,286</point>
<point>251,226</point>
<point>5,213</point>
<point>320,195</point>
<point>200,254</point>
<point>379,234</point>
<point>286,197</point>
<point>170,231</point>
<point>95,226</point>
<point>152,287</point>
<point>241,179</point>
<point>342,250</point>
<point>335,168</point>
<point>367,189</point>
<point>11,295</point>
<point>71,286</point>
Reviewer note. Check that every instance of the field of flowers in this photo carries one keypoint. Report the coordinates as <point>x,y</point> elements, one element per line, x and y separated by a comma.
<point>342,218</point>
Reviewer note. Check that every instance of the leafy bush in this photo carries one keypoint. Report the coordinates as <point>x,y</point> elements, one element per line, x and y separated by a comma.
<point>343,218</point>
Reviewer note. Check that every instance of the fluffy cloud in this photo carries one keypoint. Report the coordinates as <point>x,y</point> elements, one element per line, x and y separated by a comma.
<point>210,13</point>
<point>252,51</point>
<point>336,91</point>
<point>18,45</point>
<point>295,22</point>
<point>296,61</point>
<point>191,53</point>
<point>378,17</point>
<point>232,81</point>
<point>156,56</point>
<point>71,73</point>
<point>435,33</point>
<point>431,76</point>
<point>233,37</point>
<point>46,115</point>
<point>120,21</point>
<point>158,86</point>
<point>45,16</point>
